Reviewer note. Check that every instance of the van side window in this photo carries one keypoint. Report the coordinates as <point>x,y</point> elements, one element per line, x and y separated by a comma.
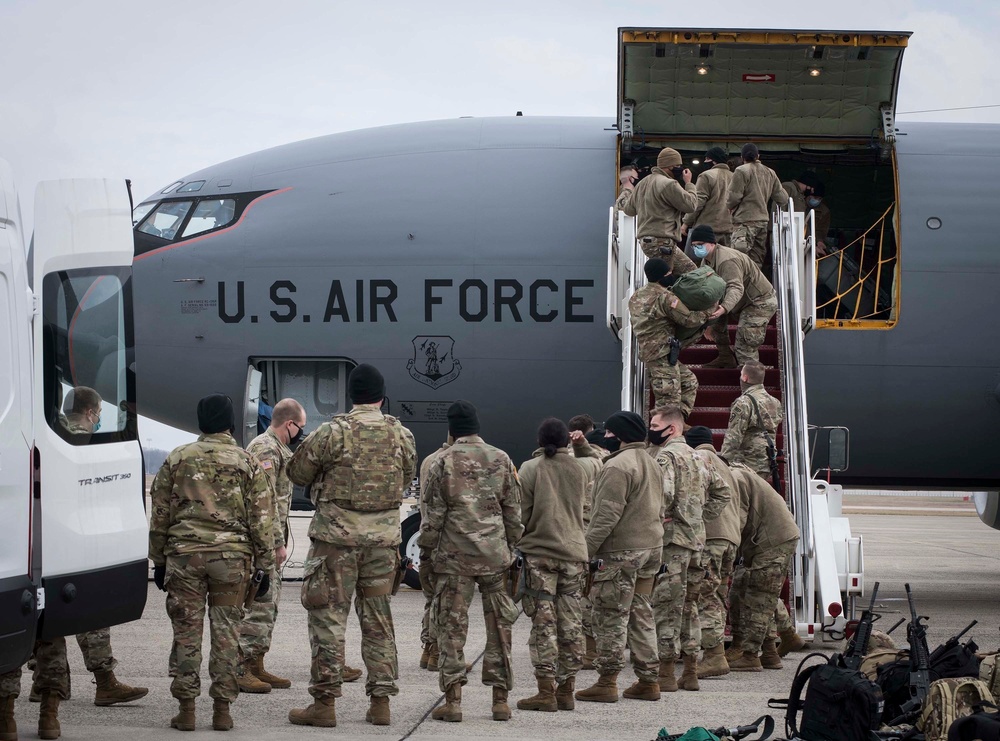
<point>89,384</point>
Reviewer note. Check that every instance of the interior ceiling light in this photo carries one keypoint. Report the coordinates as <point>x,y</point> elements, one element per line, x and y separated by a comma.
<point>815,71</point>
<point>695,162</point>
<point>702,69</point>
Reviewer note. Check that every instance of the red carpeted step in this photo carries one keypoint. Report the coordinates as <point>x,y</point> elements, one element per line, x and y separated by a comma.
<point>701,354</point>
<point>730,376</point>
<point>709,416</point>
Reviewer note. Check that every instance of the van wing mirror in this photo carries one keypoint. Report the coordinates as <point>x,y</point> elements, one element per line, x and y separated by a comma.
<point>838,448</point>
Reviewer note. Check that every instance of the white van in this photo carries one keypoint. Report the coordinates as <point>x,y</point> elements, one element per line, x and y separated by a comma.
<point>73,533</point>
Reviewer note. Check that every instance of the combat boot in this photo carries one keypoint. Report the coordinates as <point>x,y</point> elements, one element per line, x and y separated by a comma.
<point>713,663</point>
<point>451,711</point>
<point>111,692</point>
<point>564,694</point>
<point>734,651</point>
<point>378,711</point>
<point>184,720</point>
<point>8,728</point>
<point>48,716</point>
<point>256,665</point>
<point>501,710</point>
<point>591,654</point>
<point>725,359</point>
<point>643,690</point>
<point>545,700</point>
<point>432,658</point>
<point>689,677</point>
<point>790,641</point>
<point>350,674</point>
<point>668,681</point>
<point>425,656</point>
<point>604,690</point>
<point>769,658</point>
<point>248,681</point>
<point>748,662</point>
<point>321,714</point>
<point>221,719</point>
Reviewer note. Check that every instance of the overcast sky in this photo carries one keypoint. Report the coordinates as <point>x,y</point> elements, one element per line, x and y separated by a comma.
<point>153,91</point>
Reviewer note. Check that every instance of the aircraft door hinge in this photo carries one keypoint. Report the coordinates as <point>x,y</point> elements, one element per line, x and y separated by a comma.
<point>628,113</point>
<point>888,129</point>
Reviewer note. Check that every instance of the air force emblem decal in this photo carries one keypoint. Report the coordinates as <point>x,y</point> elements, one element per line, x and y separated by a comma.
<point>434,362</point>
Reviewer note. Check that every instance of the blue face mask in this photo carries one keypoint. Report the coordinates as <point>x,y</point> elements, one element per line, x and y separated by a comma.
<point>700,251</point>
<point>97,426</point>
<point>813,202</point>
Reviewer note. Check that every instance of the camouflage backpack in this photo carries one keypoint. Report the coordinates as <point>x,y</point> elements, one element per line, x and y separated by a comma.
<point>948,700</point>
<point>989,672</point>
<point>370,475</point>
<point>879,657</point>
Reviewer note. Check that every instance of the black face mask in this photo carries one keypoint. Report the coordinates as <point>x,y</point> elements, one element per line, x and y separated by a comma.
<point>293,442</point>
<point>612,444</point>
<point>656,437</point>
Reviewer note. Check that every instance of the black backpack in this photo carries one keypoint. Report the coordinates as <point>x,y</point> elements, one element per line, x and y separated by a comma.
<point>841,704</point>
<point>980,726</point>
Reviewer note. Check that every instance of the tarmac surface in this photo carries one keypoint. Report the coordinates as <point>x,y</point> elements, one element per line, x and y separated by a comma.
<point>952,563</point>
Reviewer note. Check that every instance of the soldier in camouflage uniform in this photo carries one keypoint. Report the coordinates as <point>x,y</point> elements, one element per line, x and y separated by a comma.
<point>752,186</point>
<point>52,682</point>
<point>554,490</point>
<point>692,493</point>
<point>357,466</point>
<point>748,293</point>
<point>428,579</point>
<point>625,532</point>
<point>473,523</point>
<point>271,449</point>
<point>768,542</point>
<point>722,539</point>
<point>211,522</point>
<point>658,316</point>
<point>753,419</point>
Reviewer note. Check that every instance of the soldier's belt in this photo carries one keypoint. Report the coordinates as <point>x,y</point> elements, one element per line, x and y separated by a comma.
<point>378,591</point>
<point>644,586</point>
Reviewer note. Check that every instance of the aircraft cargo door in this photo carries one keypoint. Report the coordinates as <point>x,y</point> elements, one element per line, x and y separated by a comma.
<point>17,585</point>
<point>94,534</point>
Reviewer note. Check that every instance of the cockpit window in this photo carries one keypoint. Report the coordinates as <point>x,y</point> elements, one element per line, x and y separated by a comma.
<point>193,187</point>
<point>140,211</point>
<point>209,215</point>
<point>172,187</point>
<point>166,219</point>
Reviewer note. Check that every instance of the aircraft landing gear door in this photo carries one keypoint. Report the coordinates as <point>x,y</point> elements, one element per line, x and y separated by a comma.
<point>17,585</point>
<point>251,407</point>
<point>89,482</point>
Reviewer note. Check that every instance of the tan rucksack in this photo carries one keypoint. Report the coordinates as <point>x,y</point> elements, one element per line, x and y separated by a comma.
<point>989,672</point>
<point>949,700</point>
<point>874,659</point>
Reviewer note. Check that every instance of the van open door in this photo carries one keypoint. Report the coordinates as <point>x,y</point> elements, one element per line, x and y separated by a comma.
<point>18,610</point>
<point>89,478</point>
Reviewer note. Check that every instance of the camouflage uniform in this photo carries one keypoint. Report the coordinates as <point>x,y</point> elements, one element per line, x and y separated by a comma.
<point>692,491</point>
<point>357,466</point>
<point>657,317</point>
<point>258,625</point>
<point>746,436</point>
<point>96,648</point>
<point>51,669</point>
<point>752,186</point>
<point>591,458</point>
<point>473,522</point>
<point>556,645</point>
<point>211,515</point>
<point>428,637</point>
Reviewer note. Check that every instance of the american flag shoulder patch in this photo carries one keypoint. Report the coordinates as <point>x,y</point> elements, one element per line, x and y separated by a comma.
<point>266,465</point>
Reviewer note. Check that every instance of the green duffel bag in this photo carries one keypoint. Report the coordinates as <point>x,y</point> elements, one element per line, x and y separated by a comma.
<point>700,289</point>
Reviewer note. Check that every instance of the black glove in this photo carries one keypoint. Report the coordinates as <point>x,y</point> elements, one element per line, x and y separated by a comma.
<point>159,575</point>
<point>265,584</point>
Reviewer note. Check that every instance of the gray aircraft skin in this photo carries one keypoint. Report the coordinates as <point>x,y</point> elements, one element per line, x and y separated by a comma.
<point>492,234</point>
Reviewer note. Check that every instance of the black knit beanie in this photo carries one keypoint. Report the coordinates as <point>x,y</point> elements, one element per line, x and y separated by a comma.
<point>627,427</point>
<point>703,233</point>
<point>698,435</point>
<point>596,437</point>
<point>463,419</point>
<point>365,385</point>
<point>215,414</point>
<point>717,155</point>
<point>655,269</point>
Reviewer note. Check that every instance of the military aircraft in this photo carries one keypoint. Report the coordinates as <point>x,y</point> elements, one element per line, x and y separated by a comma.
<point>469,258</point>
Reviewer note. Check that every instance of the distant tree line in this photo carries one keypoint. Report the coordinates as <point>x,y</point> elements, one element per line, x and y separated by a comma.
<point>154,459</point>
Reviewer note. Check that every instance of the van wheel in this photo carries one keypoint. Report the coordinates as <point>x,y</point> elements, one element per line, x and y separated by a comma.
<point>408,548</point>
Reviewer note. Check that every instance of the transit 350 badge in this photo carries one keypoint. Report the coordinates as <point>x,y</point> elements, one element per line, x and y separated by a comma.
<point>434,362</point>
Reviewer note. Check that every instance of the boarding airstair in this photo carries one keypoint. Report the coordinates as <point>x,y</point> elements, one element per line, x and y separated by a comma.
<point>827,575</point>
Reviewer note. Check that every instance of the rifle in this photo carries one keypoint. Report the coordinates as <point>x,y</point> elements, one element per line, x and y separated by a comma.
<point>862,635</point>
<point>916,636</point>
<point>950,644</point>
<point>897,624</point>
<point>737,733</point>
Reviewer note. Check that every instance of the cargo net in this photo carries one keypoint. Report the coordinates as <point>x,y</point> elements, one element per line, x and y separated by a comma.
<point>857,283</point>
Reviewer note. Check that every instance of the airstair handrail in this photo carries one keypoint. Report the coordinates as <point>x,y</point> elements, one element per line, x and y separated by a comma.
<point>786,243</point>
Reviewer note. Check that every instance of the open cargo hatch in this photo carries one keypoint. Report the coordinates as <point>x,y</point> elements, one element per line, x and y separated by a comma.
<point>699,84</point>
